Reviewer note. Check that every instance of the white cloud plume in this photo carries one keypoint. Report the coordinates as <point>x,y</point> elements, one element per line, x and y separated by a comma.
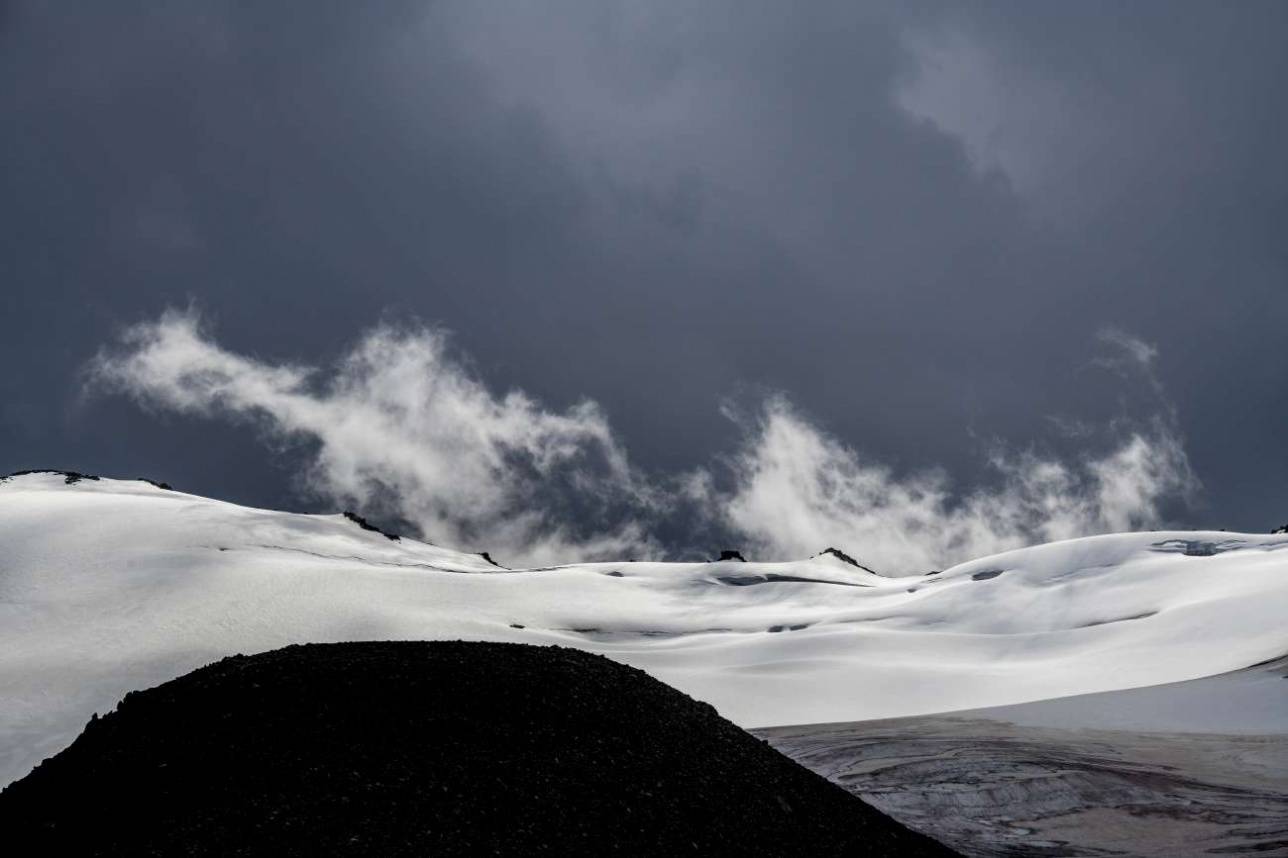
<point>403,429</point>
<point>1127,348</point>
<point>798,490</point>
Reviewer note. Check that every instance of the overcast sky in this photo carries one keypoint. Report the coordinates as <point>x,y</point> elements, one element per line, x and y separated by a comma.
<point>936,231</point>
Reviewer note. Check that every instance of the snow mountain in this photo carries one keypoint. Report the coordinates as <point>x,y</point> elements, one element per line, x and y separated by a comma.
<point>107,586</point>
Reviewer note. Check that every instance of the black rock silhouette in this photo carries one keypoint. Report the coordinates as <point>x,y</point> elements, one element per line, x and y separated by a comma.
<point>842,556</point>
<point>72,477</point>
<point>415,748</point>
<point>366,525</point>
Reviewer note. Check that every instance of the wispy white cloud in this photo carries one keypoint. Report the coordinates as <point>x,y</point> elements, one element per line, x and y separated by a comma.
<point>404,429</point>
<point>1127,348</point>
<point>1128,356</point>
<point>797,489</point>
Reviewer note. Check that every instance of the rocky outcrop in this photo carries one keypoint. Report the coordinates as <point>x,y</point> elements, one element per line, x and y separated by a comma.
<point>72,477</point>
<point>366,525</point>
<point>845,558</point>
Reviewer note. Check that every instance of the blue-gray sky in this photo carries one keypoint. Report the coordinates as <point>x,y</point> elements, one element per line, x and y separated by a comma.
<point>938,230</point>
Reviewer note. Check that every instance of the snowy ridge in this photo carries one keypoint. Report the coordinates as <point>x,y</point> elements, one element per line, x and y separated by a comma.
<point>109,585</point>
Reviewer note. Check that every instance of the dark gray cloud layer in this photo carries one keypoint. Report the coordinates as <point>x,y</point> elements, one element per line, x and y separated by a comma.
<point>915,220</point>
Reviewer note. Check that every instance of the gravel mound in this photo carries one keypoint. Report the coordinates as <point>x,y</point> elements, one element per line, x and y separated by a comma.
<point>417,748</point>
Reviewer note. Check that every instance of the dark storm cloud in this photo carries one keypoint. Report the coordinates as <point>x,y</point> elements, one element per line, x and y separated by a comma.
<point>915,221</point>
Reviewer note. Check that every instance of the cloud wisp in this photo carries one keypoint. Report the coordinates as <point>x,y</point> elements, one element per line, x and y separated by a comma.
<point>402,428</point>
<point>798,489</point>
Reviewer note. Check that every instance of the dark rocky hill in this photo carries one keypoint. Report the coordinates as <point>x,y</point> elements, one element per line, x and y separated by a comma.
<point>444,748</point>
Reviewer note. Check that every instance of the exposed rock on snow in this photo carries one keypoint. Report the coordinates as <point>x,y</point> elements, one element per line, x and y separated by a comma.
<point>70,477</point>
<point>844,558</point>
<point>366,525</point>
<point>73,477</point>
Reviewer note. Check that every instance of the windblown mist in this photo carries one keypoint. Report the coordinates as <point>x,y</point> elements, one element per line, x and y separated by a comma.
<point>402,427</point>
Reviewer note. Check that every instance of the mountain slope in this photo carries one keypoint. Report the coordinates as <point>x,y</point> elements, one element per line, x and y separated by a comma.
<point>443,748</point>
<point>111,585</point>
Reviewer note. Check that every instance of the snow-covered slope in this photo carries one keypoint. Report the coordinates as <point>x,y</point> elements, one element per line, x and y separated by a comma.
<point>108,585</point>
